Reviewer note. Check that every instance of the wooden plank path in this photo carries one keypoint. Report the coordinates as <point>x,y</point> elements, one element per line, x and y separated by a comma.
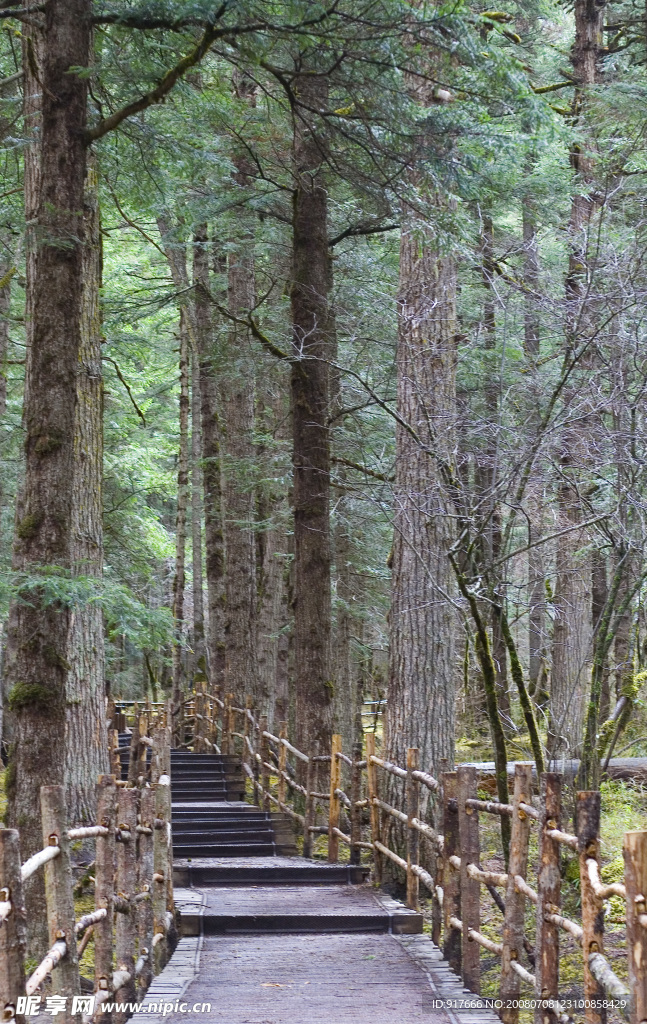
<point>285,940</point>
<point>309,979</point>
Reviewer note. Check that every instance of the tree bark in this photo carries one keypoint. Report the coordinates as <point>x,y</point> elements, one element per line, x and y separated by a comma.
<point>6,274</point>
<point>37,664</point>
<point>573,632</point>
<point>211,469</point>
<point>272,544</point>
<point>490,510</point>
<point>179,577</point>
<point>86,749</point>
<point>599,594</point>
<point>421,672</point>
<point>536,556</point>
<point>196,509</point>
<point>237,385</point>
<point>346,624</point>
<point>311,280</point>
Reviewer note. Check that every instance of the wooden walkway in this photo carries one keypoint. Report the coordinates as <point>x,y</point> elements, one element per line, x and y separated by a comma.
<point>282,940</point>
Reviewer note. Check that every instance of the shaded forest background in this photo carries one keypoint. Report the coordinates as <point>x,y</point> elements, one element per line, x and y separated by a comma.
<point>359,386</point>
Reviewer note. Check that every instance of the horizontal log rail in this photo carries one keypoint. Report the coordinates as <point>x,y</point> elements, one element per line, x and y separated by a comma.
<point>572,927</point>
<point>46,966</point>
<point>88,920</point>
<point>603,891</point>
<point>490,806</point>
<point>388,809</point>
<point>393,769</point>
<point>390,854</point>
<point>427,780</point>
<point>562,837</point>
<point>38,860</point>
<point>487,877</point>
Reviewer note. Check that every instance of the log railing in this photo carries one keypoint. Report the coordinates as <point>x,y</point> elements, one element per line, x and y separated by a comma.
<point>351,811</point>
<point>133,922</point>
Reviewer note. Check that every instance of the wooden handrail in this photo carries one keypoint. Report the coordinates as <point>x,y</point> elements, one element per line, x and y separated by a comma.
<point>454,879</point>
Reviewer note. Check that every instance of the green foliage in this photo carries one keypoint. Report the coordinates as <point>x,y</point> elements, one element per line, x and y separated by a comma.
<point>143,626</point>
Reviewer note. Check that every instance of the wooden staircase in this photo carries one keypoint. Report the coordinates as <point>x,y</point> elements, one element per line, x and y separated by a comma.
<point>210,817</point>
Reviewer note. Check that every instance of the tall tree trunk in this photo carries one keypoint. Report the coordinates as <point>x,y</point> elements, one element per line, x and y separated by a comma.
<point>211,470</point>
<point>490,502</point>
<point>237,402</point>
<point>311,445</point>
<point>33,56</point>
<point>346,672</point>
<point>573,632</point>
<point>599,595</point>
<point>179,577</point>
<point>536,556</point>
<point>6,274</point>
<point>421,694</point>
<point>196,508</point>
<point>37,665</point>
<point>272,557</point>
<point>86,751</point>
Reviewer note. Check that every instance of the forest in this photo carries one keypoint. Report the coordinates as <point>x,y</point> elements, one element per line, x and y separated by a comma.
<point>323,368</point>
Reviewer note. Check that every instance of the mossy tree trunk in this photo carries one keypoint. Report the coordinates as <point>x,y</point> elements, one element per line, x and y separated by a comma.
<point>179,576</point>
<point>311,444</point>
<point>211,469</point>
<point>86,747</point>
<point>39,630</point>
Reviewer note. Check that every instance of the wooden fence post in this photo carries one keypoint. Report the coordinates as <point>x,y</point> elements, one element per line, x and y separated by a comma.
<point>371,775</point>
<point>125,930</point>
<point>587,817</point>
<point>224,745</point>
<point>210,731</point>
<point>217,718</point>
<point>548,898</point>
<point>160,872</point>
<point>635,854</point>
<point>13,931</point>
<point>142,749</point>
<point>413,836</point>
<point>166,751</point>
<point>355,811</point>
<point>515,902</point>
<point>104,880</point>
<point>158,736</point>
<point>452,939</point>
<point>283,763</point>
<point>59,895</point>
<point>334,810</point>
<point>256,768</point>
<point>115,760</point>
<point>468,830</point>
<point>197,722</point>
<point>265,760</point>
<point>145,886</point>
<point>231,723</point>
<point>309,815</point>
<point>245,756</point>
